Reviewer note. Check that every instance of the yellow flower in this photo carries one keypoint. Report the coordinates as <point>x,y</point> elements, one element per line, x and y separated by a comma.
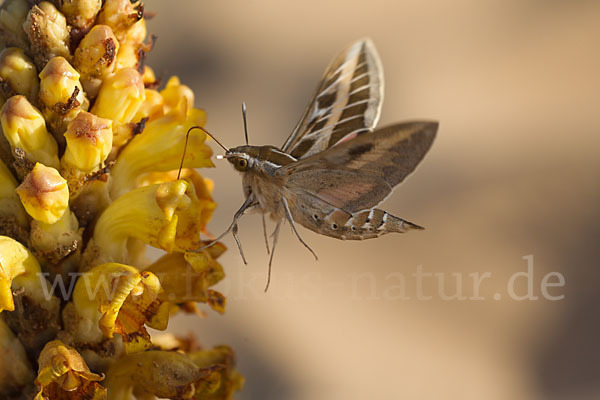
<point>63,372</point>
<point>150,152</point>
<point>152,107</point>
<point>174,94</point>
<point>161,215</point>
<point>119,299</point>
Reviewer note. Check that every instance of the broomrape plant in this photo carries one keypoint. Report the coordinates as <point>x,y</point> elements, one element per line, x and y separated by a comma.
<point>89,153</point>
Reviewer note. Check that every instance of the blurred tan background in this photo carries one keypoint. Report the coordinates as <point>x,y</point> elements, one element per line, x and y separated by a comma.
<point>514,172</point>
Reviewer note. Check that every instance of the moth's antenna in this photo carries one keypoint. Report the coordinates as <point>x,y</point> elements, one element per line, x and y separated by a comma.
<point>187,136</point>
<point>245,123</point>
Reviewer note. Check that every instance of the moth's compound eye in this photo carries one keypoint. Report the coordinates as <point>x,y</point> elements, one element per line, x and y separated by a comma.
<point>241,164</point>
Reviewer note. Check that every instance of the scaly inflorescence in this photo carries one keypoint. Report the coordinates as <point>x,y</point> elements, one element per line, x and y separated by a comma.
<point>89,153</point>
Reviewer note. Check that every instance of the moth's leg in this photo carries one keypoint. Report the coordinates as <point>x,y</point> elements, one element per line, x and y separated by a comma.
<point>265,233</point>
<point>275,237</point>
<point>288,214</point>
<point>234,232</point>
<point>249,203</point>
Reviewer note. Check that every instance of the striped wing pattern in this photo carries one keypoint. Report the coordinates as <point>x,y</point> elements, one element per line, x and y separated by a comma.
<point>347,102</point>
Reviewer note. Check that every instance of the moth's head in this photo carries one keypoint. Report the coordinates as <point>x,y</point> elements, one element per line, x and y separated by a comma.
<point>242,157</point>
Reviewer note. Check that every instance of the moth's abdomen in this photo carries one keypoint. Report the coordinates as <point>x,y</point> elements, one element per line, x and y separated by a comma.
<point>361,225</point>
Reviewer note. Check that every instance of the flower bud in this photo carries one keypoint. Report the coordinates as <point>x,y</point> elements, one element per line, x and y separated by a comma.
<point>16,372</point>
<point>12,16</point>
<point>89,141</point>
<point>61,95</point>
<point>18,74</point>
<point>25,128</point>
<point>63,373</point>
<point>81,14</point>
<point>95,57</point>
<point>120,96</point>
<point>13,218</point>
<point>120,15</point>
<point>119,99</point>
<point>48,33</point>
<point>45,194</point>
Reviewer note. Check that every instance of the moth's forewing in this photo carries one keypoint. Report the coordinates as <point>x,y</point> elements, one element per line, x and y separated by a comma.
<point>347,101</point>
<point>377,162</point>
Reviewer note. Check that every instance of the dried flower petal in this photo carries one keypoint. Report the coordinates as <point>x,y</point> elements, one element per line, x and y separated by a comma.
<point>173,375</point>
<point>227,379</point>
<point>188,277</point>
<point>64,374</point>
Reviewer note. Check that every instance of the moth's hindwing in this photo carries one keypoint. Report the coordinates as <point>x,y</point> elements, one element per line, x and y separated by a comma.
<point>347,102</point>
<point>319,216</point>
